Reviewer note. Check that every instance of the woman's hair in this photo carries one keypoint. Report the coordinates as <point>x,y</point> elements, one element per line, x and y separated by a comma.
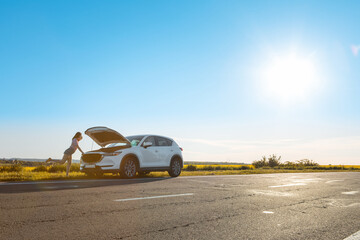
<point>77,135</point>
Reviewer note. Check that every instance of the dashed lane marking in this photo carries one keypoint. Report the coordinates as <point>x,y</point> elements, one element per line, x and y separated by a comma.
<point>289,185</point>
<point>350,193</point>
<point>331,181</point>
<point>272,193</point>
<point>152,197</point>
<point>268,212</point>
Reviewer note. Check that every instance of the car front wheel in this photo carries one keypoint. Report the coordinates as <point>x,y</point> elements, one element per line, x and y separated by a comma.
<point>129,168</point>
<point>175,167</point>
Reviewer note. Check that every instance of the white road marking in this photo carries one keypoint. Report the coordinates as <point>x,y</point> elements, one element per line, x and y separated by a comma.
<point>307,180</point>
<point>350,193</point>
<point>355,236</point>
<point>268,212</point>
<point>161,196</point>
<point>331,181</point>
<point>353,204</point>
<point>289,185</point>
<point>272,193</point>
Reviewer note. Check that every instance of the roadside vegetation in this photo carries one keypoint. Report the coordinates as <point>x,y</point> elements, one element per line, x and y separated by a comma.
<point>272,164</point>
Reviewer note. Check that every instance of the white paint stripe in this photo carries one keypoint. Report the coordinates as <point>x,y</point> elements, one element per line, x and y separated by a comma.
<point>353,204</point>
<point>289,185</point>
<point>350,193</point>
<point>355,236</point>
<point>162,196</point>
<point>307,180</point>
<point>268,212</point>
<point>331,181</point>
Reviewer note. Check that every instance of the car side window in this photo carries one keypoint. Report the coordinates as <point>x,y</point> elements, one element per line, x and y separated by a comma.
<point>163,142</point>
<point>152,140</point>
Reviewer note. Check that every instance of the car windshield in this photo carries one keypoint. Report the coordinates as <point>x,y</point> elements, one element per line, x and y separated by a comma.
<point>135,140</point>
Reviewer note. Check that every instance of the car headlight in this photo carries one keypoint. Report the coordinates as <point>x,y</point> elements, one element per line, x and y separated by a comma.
<point>112,154</point>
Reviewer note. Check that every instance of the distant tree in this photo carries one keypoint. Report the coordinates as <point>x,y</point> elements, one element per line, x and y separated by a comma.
<point>274,161</point>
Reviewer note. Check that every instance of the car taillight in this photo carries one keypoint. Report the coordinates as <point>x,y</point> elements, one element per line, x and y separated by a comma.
<point>181,149</point>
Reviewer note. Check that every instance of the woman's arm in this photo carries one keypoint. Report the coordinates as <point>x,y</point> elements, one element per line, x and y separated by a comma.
<point>75,145</point>
<point>80,149</point>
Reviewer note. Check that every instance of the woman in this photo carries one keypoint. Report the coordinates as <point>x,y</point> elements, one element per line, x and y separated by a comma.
<point>69,152</point>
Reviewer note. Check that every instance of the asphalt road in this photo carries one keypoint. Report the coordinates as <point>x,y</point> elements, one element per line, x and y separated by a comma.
<point>269,206</point>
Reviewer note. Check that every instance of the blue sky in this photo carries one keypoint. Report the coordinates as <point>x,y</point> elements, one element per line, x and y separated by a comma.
<point>191,70</point>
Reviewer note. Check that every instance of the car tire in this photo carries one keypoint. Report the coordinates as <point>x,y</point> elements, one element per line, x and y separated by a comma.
<point>129,168</point>
<point>175,167</point>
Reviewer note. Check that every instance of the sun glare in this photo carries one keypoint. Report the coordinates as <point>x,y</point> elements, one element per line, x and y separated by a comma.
<point>290,78</point>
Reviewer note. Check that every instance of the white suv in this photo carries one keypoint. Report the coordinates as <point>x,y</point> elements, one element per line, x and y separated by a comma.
<point>140,153</point>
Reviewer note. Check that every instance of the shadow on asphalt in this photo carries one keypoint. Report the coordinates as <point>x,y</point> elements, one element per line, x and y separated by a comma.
<point>41,186</point>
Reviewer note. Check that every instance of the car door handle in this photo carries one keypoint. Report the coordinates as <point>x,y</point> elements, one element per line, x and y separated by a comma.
<point>156,150</point>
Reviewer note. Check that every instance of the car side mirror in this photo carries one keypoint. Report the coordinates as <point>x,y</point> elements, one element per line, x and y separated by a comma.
<point>147,144</point>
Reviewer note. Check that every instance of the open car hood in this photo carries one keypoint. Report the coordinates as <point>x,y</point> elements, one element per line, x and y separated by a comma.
<point>104,136</point>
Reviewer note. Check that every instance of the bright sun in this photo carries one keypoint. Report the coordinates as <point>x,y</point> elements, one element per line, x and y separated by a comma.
<point>290,78</point>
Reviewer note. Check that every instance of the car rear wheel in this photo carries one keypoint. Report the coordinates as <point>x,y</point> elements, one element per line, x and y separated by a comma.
<point>175,167</point>
<point>129,168</point>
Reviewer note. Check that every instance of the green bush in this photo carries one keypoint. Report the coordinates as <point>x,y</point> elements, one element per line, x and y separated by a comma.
<point>190,168</point>
<point>306,163</point>
<point>75,167</point>
<point>208,168</point>
<point>11,168</point>
<point>40,168</point>
<point>57,168</point>
<point>261,163</point>
<point>301,164</point>
<point>288,165</point>
<point>272,161</point>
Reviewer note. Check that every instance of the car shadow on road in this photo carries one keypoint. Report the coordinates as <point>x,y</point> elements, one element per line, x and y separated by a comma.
<point>40,186</point>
